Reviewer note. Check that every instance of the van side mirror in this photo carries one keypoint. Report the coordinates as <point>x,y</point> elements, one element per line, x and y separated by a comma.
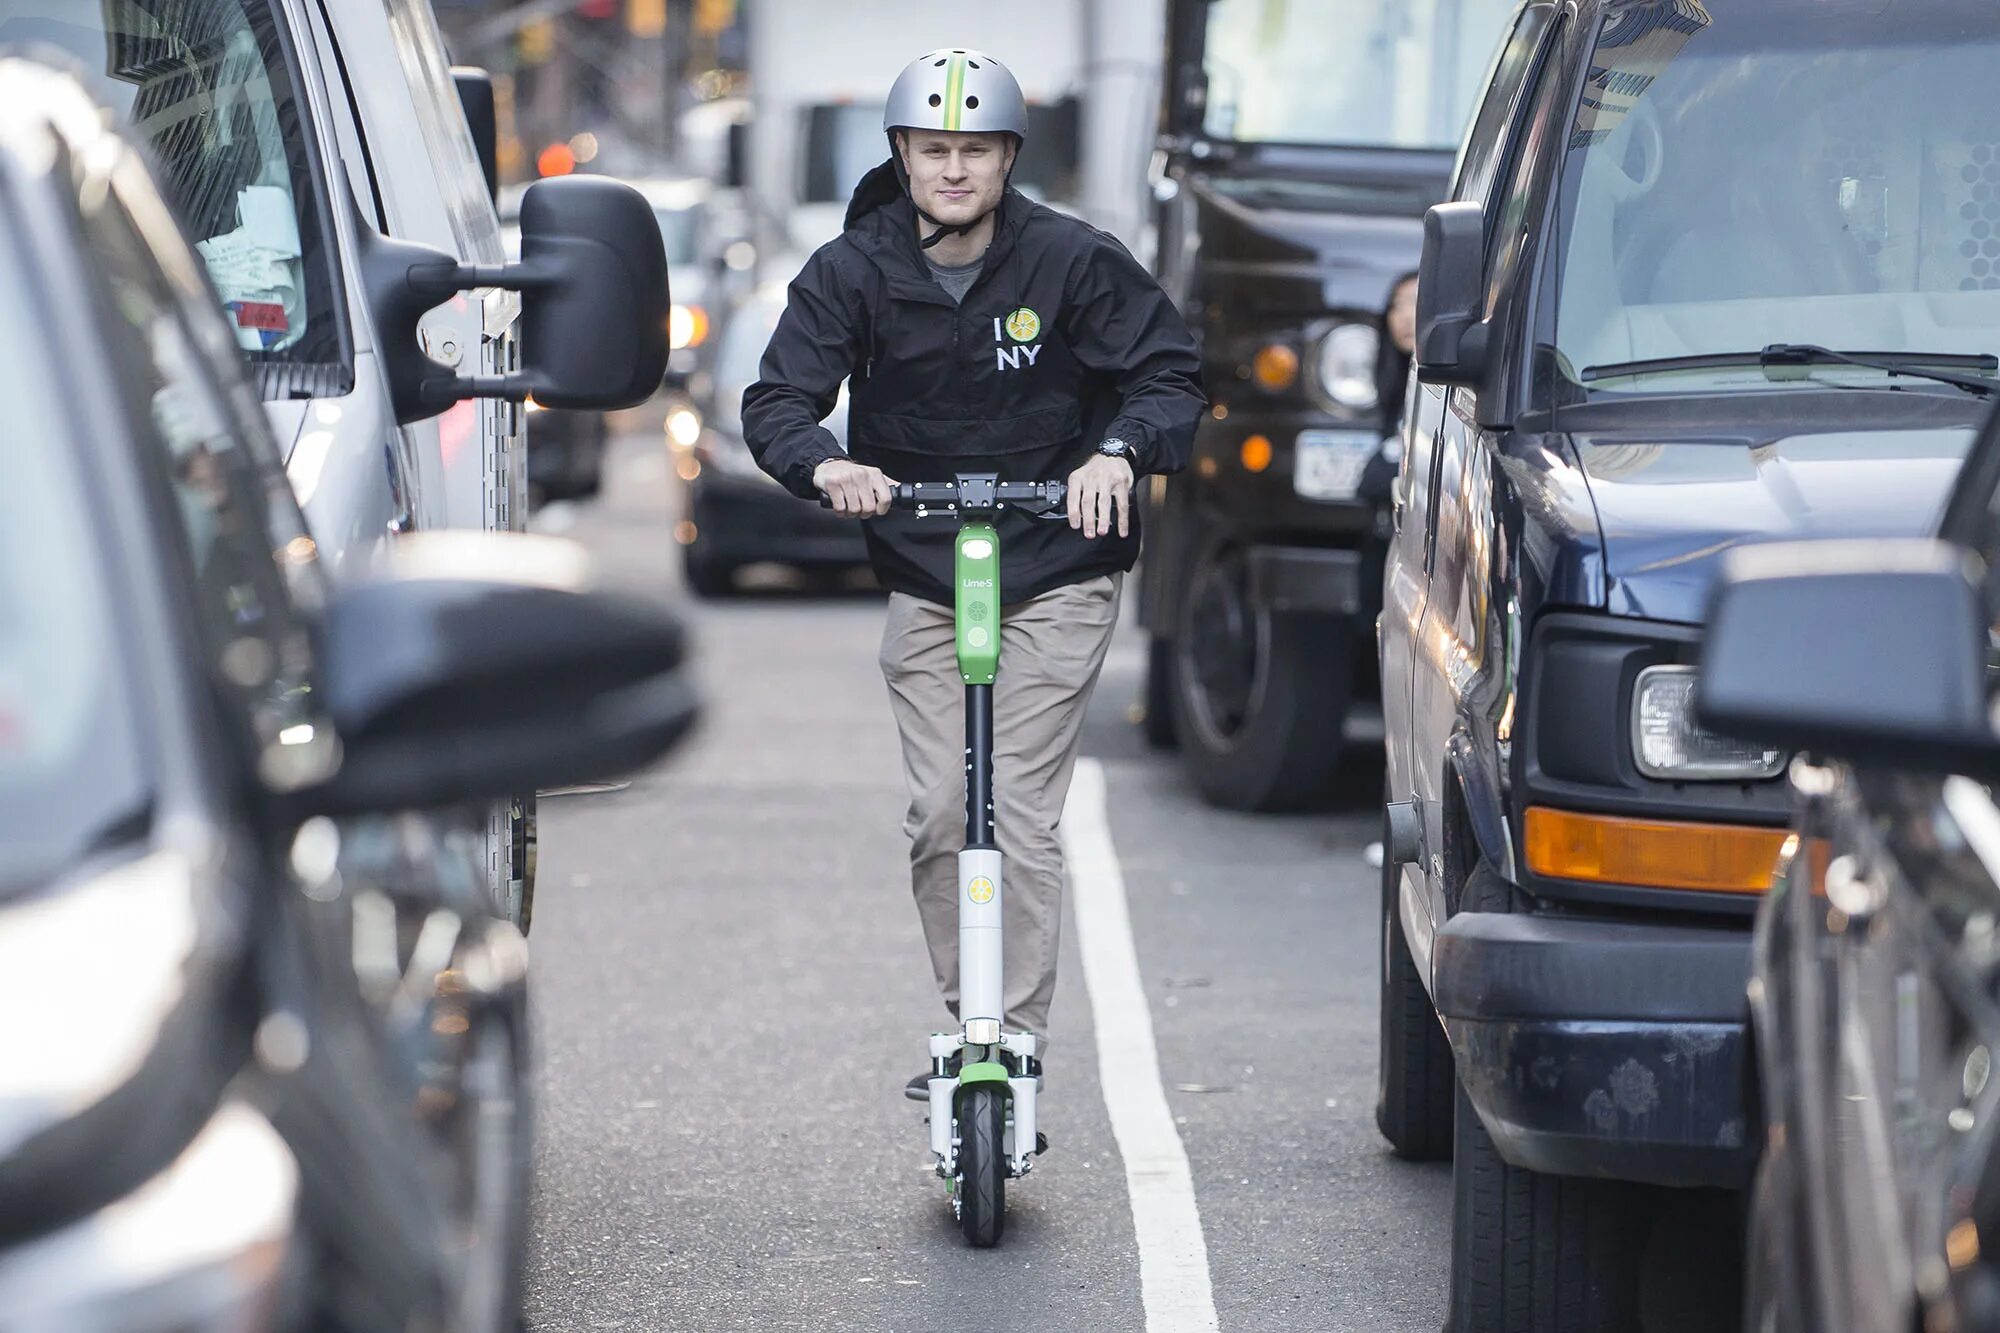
<point>1863,650</point>
<point>596,308</point>
<point>1451,289</point>
<point>475,95</point>
<point>595,303</point>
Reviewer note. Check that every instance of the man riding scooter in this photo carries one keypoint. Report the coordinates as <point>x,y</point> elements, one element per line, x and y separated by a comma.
<point>980,333</point>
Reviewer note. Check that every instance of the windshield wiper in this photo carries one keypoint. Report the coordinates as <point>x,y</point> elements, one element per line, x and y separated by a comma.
<point>1918,365</point>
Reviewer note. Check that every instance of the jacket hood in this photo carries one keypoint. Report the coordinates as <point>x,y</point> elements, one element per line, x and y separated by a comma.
<point>1668,509</point>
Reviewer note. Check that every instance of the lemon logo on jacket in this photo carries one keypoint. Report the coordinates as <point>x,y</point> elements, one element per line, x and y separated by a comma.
<point>1023,326</point>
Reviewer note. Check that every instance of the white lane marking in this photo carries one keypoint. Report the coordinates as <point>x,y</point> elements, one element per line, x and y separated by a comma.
<point>1173,1257</point>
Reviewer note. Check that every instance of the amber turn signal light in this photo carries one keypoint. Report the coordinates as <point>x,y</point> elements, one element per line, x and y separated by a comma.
<point>1275,366</point>
<point>1605,849</point>
<point>1256,454</point>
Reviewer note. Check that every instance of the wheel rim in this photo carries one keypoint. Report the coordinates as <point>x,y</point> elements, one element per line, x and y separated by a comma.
<point>489,1119</point>
<point>1224,649</point>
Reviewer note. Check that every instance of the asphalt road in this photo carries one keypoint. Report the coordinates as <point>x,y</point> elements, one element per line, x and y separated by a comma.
<point>731,991</point>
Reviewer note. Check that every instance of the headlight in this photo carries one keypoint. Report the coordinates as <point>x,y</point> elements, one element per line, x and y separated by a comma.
<point>687,326</point>
<point>1667,743</point>
<point>200,1248</point>
<point>1345,366</point>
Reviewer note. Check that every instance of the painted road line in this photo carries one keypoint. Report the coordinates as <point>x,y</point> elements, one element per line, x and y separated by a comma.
<point>1173,1257</point>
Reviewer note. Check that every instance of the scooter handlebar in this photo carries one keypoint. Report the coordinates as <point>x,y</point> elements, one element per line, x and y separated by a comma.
<point>977,494</point>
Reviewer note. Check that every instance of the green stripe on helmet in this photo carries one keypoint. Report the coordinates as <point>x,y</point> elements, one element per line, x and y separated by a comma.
<point>954,92</point>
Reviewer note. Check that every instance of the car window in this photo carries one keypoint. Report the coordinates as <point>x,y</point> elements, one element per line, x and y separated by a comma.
<point>680,230</point>
<point>1749,175</point>
<point>75,772</point>
<point>207,86</point>
<point>1508,223</point>
<point>1479,157</point>
<point>240,528</point>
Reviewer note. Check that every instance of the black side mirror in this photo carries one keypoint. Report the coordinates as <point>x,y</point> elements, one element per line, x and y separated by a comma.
<point>470,665</point>
<point>595,302</point>
<point>1451,289</point>
<point>475,94</point>
<point>1871,651</point>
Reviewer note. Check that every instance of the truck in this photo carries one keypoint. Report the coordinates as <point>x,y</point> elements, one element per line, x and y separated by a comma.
<point>1300,143</point>
<point>819,74</point>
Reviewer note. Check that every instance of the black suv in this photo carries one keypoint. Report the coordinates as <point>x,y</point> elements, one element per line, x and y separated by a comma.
<point>1651,329</point>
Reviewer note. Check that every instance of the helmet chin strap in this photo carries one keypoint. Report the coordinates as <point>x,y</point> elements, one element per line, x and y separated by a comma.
<point>945,229</point>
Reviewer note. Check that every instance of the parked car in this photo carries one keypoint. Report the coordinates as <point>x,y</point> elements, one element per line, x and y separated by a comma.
<point>1300,148</point>
<point>234,1091</point>
<point>295,140</point>
<point>730,513</point>
<point>1621,382</point>
<point>1877,1198</point>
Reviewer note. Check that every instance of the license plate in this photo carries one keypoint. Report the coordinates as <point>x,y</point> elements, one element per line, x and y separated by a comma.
<point>1328,463</point>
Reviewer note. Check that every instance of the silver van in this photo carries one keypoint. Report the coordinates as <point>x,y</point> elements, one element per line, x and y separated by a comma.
<point>293,136</point>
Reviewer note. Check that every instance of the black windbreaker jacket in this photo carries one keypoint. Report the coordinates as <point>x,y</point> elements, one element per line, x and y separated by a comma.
<point>1063,341</point>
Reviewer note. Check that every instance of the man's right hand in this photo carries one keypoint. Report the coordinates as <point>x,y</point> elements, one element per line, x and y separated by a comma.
<point>854,488</point>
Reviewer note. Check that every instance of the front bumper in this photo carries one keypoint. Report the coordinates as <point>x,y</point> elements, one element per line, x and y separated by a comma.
<point>1601,1048</point>
<point>741,520</point>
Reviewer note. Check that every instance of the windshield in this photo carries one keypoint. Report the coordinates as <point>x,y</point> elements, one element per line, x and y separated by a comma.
<point>680,230</point>
<point>73,770</point>
<point>1779,174</point>
<point>205,85</point>
<point>1357,73</point>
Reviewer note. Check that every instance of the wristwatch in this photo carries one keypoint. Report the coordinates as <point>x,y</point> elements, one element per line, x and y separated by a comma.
<point>1117,448</point>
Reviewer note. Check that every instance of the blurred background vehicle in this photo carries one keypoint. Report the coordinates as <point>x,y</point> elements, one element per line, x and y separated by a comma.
<point>1877,1196</point>
<point>1299,149</point>
<point>730,512</point>
<point>251,1078</point>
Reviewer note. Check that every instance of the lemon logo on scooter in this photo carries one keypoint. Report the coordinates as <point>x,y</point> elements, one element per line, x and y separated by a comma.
<point>983,1082</point>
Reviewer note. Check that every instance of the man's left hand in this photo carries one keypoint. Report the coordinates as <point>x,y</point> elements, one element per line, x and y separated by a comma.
<point>1097,490</point>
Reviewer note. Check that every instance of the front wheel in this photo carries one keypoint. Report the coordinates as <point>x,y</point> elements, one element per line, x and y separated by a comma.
<point>1260,696</point>
<point>982,1164</point>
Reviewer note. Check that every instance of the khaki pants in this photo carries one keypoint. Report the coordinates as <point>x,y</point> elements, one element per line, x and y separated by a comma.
<point>1051,649</point>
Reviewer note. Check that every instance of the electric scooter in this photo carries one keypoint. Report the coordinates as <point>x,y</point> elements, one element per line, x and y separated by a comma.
<point>983,1079</point>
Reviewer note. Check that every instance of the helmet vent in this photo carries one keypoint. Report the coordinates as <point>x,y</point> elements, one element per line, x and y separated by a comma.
<point>938,65</point>
<point>972,104</point>
<point>936,100</point>
<point>973,64</point>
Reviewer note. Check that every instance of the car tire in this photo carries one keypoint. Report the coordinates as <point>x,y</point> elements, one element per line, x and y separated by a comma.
<point>1416,1096</point>
<point>1533,1253</point>
<point>1260,697</point>
<point>707,577</point>
<point>525,827</point>
<point>1158,701</point>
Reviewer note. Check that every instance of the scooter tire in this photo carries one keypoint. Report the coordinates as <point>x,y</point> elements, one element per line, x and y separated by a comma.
<point>982,1164</point>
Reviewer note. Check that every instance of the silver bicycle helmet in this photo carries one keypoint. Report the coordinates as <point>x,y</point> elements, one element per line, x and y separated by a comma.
<point>956,90</point>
